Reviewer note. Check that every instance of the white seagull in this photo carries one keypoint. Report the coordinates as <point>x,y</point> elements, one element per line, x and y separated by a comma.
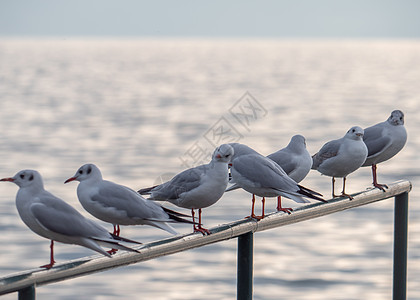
<point>54,219</point>
<point>198,187</point>
<point>118,204</point>
<point>295,160</point>
<point>384,140</point>
<point>241,150</point>
<point>263,177</point>
<point>339,158</point>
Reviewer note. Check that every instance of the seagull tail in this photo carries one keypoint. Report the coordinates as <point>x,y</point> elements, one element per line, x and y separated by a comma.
<point>175,213</point>
<point>177,217</point>
<point>310,194</point>
<point>122,239</point>
<point>146,191</point>
<point>162,225</point>
<point>309,190</point>
<point>114,245</point>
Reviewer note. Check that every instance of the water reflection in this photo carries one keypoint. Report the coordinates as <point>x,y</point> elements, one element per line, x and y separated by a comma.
<point>133,107</point>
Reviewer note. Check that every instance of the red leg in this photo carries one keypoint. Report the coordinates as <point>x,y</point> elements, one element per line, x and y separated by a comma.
<point>284,209</point>
<point>112,251</point>
<point>333,189</point>
<point>199,228</point>
<point>52,262</point>
<point>117,233</point>
<point>193,218</point>
<point>375,181</point>
<point>263,208</point>
<point>117,230</point>
<point>252,209</point>
<point>253,215</point>
<point>343,193</point>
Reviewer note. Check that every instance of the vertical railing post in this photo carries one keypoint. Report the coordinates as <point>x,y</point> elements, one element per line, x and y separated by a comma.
<point>245,266</point>
<point>400,246</point>
<point>27,293</point>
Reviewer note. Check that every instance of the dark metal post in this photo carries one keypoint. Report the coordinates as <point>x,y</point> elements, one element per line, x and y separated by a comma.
<point>400,246</point>
<point>245,266</point>
<point>27,293</point>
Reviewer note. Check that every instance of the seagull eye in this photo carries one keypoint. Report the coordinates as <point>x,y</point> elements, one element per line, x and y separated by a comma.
<point>353,130</point>
<point>227,155</point>
<point>80,172</point>
<point>89,170</point>
<point>22,176</point>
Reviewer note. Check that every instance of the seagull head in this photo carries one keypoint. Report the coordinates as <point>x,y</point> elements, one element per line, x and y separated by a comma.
<point>396,118</point>
<point>223,153</point>
<point>297,142</point>
<point>26,178</point>
<point>355,133</point>
<point>85,172</point>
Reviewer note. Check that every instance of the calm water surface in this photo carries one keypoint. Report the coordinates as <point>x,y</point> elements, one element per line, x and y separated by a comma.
<point>137,108</point>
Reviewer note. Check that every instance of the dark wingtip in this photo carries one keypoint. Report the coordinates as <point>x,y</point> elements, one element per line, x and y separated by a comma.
<point>310,194</point>
<point>174,213</point>
<point>122,239</point>
<point>146,191</point>
<point>176,216</point>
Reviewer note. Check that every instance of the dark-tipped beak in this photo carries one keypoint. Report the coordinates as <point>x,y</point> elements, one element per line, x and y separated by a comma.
<point>7,179</point>
<point>70,179</point>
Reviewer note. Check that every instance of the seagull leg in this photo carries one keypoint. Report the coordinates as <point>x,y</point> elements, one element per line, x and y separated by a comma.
<point>253,215</point>
<point>253,209</point>
<point>116,232</point>
<point>343,193</point>
<point>333,182</point>
<point>199,228</point>
<point>194,224</point>
<point>284,209</point>
<point>263,208</point>
<point>375,182</point>
<point>52,262</point>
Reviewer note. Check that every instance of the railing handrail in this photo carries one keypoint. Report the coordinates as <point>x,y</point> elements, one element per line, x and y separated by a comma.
<point>93,264</point>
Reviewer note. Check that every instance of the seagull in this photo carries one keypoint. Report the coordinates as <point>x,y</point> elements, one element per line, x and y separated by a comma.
<point>384,140</point>
<point>119,205</point>
<point>54,219</point>
<point>241,149</point>
<point>295,160</point>
<point>198,187</point>
<point>295,143</point>
<point>263,177</point>
<point>339,158</point>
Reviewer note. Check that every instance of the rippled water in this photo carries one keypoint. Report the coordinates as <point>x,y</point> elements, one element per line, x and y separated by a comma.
<point>136,108</point>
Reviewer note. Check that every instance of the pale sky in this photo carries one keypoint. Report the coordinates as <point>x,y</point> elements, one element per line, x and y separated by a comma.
<point>194,18</point>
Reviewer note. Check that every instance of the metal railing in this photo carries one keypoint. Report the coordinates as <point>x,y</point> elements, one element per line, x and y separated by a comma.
<point>25,282</point>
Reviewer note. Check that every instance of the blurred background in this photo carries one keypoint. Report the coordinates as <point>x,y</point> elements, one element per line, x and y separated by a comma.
<point>147,89</point>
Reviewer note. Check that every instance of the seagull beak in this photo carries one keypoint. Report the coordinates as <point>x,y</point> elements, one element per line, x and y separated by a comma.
<point>70,179</point>
<point>8,179</point>
<point>359,134</point>
<point>218,156</point>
